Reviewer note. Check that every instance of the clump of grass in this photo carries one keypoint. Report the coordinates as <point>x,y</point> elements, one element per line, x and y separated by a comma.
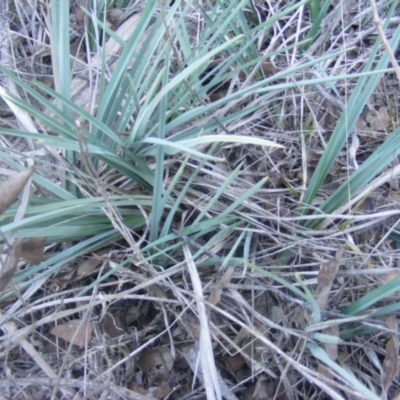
<point>204,175</point>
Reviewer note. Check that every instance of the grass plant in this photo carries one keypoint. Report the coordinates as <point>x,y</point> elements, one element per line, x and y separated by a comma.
<point>211,203</point>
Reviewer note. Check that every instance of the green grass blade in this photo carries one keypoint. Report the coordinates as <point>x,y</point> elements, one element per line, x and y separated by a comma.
<point>373,297</point>
<point>361,93</point>
<point>142,121</point>
<point>158,190</point>
<point>60,49</point>
<point>322,356</point>
<point>318,11</point>
<point>379,160</point>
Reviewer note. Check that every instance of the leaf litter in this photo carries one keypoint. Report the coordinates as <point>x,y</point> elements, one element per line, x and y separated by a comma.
<point>75,331</point>
<point>12,187</point>
<point>9,264</point>
<point>138,318</point>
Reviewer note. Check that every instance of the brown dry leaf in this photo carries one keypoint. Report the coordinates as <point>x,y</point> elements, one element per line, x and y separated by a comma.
<point>269,68</point>
<point>114,16</point>
<point>153,393</point>
<point>379,120</point>
<point>8,267</point>
<point>325,371</point>
<point>215,296</point>
<point>301,176</point>
<point>391,361</point>
<point>234,363</point>
<point>79,13</point>
<point>361,125</point>
<point>326,275</point>
<point>12,187</point>
<point>68,332</point>
<point>87,267</point>
<point>277,314</point>
<point>391,275</point>
<point>156,364</point>
<point>332,348</point>
<point>149,394</point>
<point>261,389</point>
<point>332,351</point>
<point>262,305</point>
<point>190,324</point>
<point>33,249</point>
<point>392,322</point>
<point>159,392</point>
<point>132,385</point>
<point>60,283</point>
<point>131,315</point>
<point>110,326</point>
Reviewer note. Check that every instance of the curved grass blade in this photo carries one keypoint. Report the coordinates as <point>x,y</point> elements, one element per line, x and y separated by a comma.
<point>322,356</point>
<point>373,297</point>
